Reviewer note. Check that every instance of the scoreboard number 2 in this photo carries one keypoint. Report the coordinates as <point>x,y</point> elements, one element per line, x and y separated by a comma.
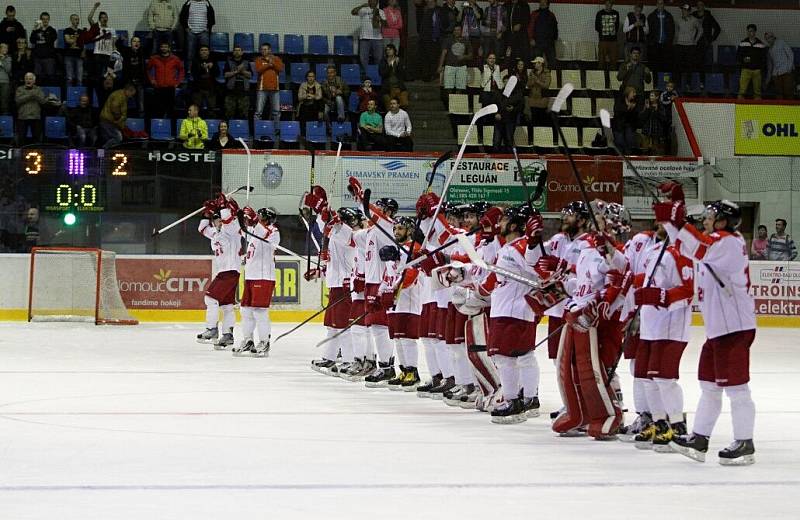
<point>120,160</point>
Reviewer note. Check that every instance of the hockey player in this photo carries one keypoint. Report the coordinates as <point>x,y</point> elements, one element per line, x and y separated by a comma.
<point>221,293</point>
<point>259,279</point>
<point>728,309</point>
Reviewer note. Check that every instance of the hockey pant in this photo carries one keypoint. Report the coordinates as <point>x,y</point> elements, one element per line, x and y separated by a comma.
<point>484,370</point>
<point>212,314</point>
<point>584,386</point>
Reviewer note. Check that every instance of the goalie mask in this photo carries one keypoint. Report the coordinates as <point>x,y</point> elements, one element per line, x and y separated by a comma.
<point>724,209</point>
<point>617,219</point>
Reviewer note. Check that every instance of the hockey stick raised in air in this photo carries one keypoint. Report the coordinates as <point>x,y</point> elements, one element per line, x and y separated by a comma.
<point>247,151</point>
<point>193,213</point>
<point>279,247</point>
<point>424,254</point>
<point>540,182</point>
<point>442,158</point>
<point>330,305</point>
<point>373,219</point>
<point>333,190</point>
<point>331,338</point>
<point>308,230</point>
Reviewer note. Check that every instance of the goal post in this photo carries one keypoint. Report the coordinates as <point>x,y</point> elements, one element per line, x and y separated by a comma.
<point>75,284</point>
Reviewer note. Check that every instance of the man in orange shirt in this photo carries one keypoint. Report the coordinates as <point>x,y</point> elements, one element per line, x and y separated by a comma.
<point>165,71</point>
<point>268,67</point>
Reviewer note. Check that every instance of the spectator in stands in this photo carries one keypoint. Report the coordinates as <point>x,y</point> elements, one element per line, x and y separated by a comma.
<point>22,62</point>
<point>687,33</point>
<point>781,246</point>
<point>134,69</point>
<point>634,73</point>
<point>335,92</point>
<point>370,37</point>
<point>29,98</point>
<point>165,71</point>
<point>81,123</point>
<point>430,38</point>
<point>105,89</point>
<point>11,30</point>
<point>780,66</point>
<point>5,80</point>
<point>470,21</point>
<point>752,58</point>
<point>237,75</point>
<point>667,98</point>
<point>197,18</point>
<point>193,131</point>
<point>104,38</point>
<point>366,94</point>
<point>162,18</point>
<point>491,81</point>
<point>538,81</point>
<point>710,30</point>
<point>636,30</point>
<point>543,32</point>
<point>114,116</point>
<point>309,98</point>
<point>394,25</point>
<point>653,122</point>
<point>204,80</point>
<point>73,52</point>
<point>34,229</point>
<point>760,244</point>
<point>519,14</point>
<point>393,77</point>
<point>456,53</point>
<point>509,111</point>
<point>625,121</point>
<point>222,140</point>
<point>659,41</point>
<point>370,128</point>
<point>43,43</point>
<point>268,68</point>
<point>606,23</point>
<point>397,128</point>
<point>493,29</point>
<point>450,18</point>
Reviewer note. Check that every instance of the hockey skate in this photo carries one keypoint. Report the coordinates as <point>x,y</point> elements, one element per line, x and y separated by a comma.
<point>245,348</point>
<point>208,335</point>
<point>360,370</point>
<point>262,349</point>
<point>340,368</point>
<point>322,365</point>
<point>644,439</point>
<point>396,382</point>
<point>642,421</point>
<point>424,391</point>
<point>739,453</point>
<point>224,342</point>
<point>662,439</point>
<point>353,369</point>
<point>694,446</point>
<point>411,380</point>
<point>509,412</point>
<point>437,393</point>
<point>380,377</point>
<point>469,397</point>
<point>531,407</point>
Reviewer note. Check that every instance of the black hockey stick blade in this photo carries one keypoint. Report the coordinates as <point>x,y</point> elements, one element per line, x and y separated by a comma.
<point>330,338</point>
<point>330,305</point>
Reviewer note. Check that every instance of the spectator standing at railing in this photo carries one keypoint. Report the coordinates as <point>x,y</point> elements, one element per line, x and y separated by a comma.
<point>134,69</point>
<point>370,128</point>
<point>493,29</point>
<point>11,30</point>
<point>309,97</point>
<point>491,81</point>
<point>626,120</point>
<point>197,17</point>
<point>653,122</point>
<point>450,18</point>
<point>606,23</point>
<point>758,248</point>
<point>335,92</point>
<point>710,30</point>
<point>193,131</point>
<point>370,37</point>
<point>781,246</point>
<point>74,52</point>
<point>636,29</point>
<point>519,14</point>
<point>687,33</point>
<point>393,77</point>
<point>752,58</point>
<point>268,68</point>
<point>456,54</point>
<point>543,32</point>
<point>538,81</point>
<point>5,79</point>
<point>470,21</point>
<point>430,38</point>
<point>634,73</point>
<point>237,75</point>
<point>81,123</point>
<point>165,71</point>
<point>114,116</point>
<point>204,80</point>
<point>661,27</point>
<point>780,66</point>
<point>21,62</point>
<point>105,39</point>
<point>397,128</point>
<point>162,18</point>
<point>394,25</point>
<point>43,47</point>
<point>365,93</point>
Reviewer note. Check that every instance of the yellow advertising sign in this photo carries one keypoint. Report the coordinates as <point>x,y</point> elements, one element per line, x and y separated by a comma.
<point>767,130</point>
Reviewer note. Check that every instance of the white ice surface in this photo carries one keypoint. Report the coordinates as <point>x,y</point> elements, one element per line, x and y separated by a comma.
<point>143,422</point>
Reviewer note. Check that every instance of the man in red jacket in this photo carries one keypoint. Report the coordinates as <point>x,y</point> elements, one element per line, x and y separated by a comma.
<point>165,71</point>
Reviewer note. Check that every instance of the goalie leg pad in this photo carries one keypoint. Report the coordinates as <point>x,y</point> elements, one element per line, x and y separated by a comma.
<point>477,333</point>
<point>602,411</point>
<point>568,386</point>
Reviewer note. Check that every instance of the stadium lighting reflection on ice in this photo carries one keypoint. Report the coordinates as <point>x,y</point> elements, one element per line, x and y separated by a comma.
<point>70,218</point>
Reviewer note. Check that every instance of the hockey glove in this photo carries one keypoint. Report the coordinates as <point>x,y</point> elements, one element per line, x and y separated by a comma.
<point>312,274</point>
<point>210,207</point>
<point>651,296</point>
<point>232,205</point>
<point>673,191</point>
<point>251,218</point>
<point>533,230</point>
<point>674,212</point>
<point>359,284</point>
<point>355,189</point>
<point>582,318</point>
<point>490,221</point>
<point>316,204</point>
<point>324,256</point>
<point>433,261</point>
<point>426,205</point>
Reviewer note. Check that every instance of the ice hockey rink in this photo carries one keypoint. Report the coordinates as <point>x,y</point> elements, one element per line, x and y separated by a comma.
<point>143,422</point>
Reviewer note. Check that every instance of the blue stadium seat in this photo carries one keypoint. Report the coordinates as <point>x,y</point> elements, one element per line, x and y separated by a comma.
<point>264,130</point>
<point>298,72</point>
<point>341,131</point>
<point>343,46</point>
<point>6,126</point>
<point>352,103</point>
<point>271,38</point>
<point>239,128</point>
<point>245,41</point>
<point>287,100</point>
<point>122,34</point>
<point>161,129</point>
<point>290,131</point>
<point>374,75</point>
<point>55,127</point>
<point>52,90</point>
<point>282,76</point>
<point>135,124</point>
<point>220,42</point>
<point>74,96</point>
<point>221,76</point>
<point>318,45</point>
<point>293,44</point>
<point>213,126</point>
<point>691,84</point>
<point>60,39</point>
<point>351,74</point>
<point>316,132</point>
<point>322,71</point>
<point>715,83</point>
<point>726,55</point>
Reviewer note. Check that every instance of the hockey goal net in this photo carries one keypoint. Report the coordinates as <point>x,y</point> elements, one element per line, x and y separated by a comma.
<point>75,284</point>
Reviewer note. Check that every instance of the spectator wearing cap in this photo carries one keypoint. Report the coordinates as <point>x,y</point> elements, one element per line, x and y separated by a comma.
<point>710,29</point>
<point>634,73</point>
<point>661,27</point>
<point>493,29</point>
<point>538,81</point>
<point>780,66</point>
<point>606,23</point>
<point>752,58</point>
<point>543,32</point>
<point>781,246</point>
<point>365,93</point>
<point>636,29</point>
<point>687,33</point>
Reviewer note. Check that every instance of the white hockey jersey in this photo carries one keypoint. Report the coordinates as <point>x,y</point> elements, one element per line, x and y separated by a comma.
<point>675,273</point>
<point>373,266</point>
<point>342,252</point>
<point>558,246</point>
<point>260,260</point>
<point>591,271</point>
<point>508,296</point>
<point>636,251</point>
<point>410,298</point>
<point>225,243</point>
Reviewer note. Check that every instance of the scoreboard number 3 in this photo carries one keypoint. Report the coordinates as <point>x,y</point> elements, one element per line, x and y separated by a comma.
<point>120,161</point>
<point>33,163</point>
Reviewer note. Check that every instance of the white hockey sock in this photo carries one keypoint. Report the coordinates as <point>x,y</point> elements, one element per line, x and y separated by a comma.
<point>362,341</point>
<point>263,323</point>
<point>411,351</point>
<point>400,348</point>
<point>654,400</point>
<point>384,345</point>
<point>671,397</point>
<point>639,393</point>
<point>444,357</point>
<point>248,322</point>
<point>347,346</point>
<point>708,408</point>
<point>461,370</point>
<point>228,318</point>
<point>743,411</point>
<point>430,356</point>
<point>528,374</point>
<point>331,348</point>
<point>212,312</point>
<point>509,376</point>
